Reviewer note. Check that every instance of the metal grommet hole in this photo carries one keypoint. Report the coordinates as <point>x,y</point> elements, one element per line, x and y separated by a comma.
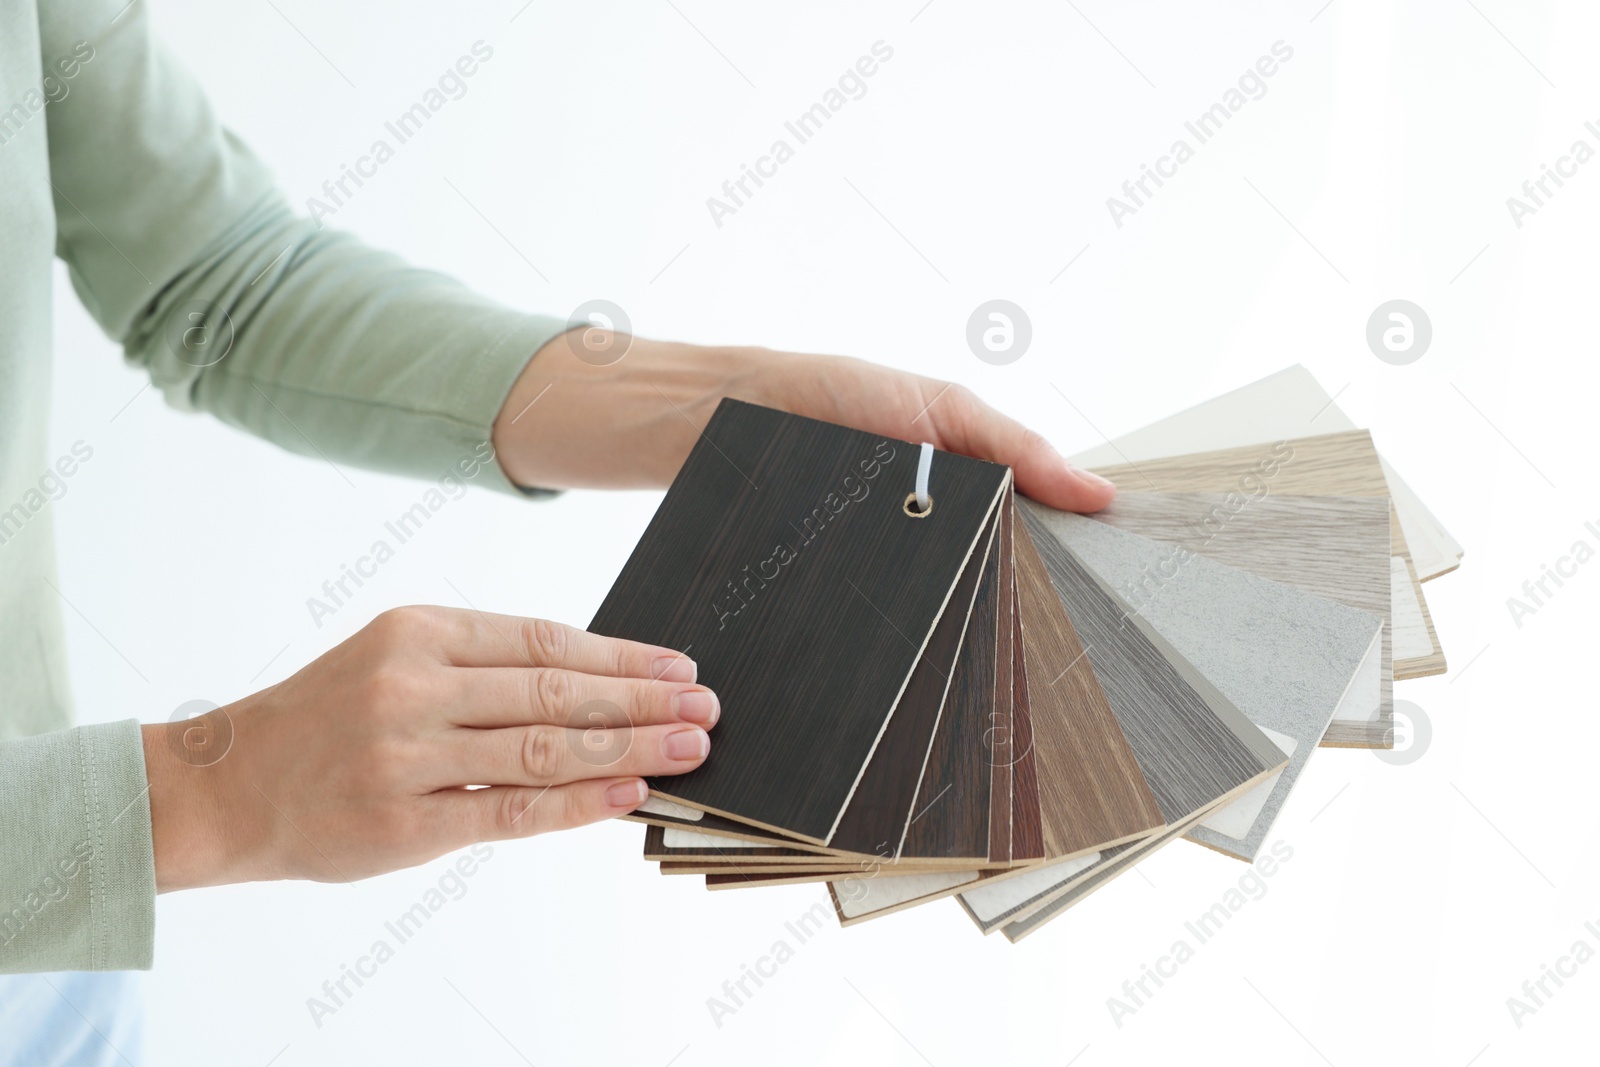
<point>910,507</point>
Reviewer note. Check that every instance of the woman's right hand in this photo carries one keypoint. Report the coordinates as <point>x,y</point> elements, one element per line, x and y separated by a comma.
<point>361,763</point>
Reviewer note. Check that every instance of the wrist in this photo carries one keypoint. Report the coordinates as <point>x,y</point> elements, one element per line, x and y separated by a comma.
<point>189,821</point>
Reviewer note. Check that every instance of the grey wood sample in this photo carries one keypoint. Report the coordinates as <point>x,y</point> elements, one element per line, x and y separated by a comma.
<point>1192,744</point>
<point>778,525</point>
<point>1333,547</point>
<point>1285,658</point>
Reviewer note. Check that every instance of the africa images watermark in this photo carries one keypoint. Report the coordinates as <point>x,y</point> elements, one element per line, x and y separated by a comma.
<point>51,889</point>
<point>1252,85</point>
<point>452,485</point>
<point>52,89</point>
<point>1254,485</point>
<point>805,126</point>
<point>48,488</point>
<point>742,591</point>
<point>1537,992</point>
<point>450,85</point>
<point>450,886</point>
<point>1537,192</point>
<point>1536,592</point>
<point>1252,885</point>
<point>736,992</point>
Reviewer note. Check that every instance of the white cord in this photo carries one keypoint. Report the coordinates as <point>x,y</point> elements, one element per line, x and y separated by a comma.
<point>924,466</point>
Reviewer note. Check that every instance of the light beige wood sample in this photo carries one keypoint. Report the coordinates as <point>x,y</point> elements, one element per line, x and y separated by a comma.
<point>1341,464</point>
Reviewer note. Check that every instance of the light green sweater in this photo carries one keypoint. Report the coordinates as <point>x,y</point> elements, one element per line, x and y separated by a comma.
<point>111,159</point>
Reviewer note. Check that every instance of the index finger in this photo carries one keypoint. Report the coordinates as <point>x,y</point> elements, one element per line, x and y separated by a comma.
<point>481,639</point>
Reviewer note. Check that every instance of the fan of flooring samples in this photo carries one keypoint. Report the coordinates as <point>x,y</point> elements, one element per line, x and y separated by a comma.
<point>986,699</point>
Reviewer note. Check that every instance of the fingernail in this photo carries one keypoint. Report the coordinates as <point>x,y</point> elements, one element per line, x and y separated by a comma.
<point>697,705</point>
<point>686,744</point>
<point>626,794</point>
<point>673,669</point>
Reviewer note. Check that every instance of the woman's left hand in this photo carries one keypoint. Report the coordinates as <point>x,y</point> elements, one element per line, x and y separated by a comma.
<point>572,423</point>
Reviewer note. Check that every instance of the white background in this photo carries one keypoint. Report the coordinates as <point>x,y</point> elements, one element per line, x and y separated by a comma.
<point>1418,898</point>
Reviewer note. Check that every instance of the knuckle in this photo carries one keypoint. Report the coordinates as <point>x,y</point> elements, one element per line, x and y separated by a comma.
<point>510,816</point>
<point>962,395</point>
<point>401,626</point>
<point>550,690</point>
<point>547,641</point>
<point>542,754</point>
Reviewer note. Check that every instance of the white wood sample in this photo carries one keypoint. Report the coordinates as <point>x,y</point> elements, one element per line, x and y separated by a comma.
<point>659,806</point>
<point>672,837</point>
<point>857,897</point>
<point>1234,820</point>
<point>992,900</point>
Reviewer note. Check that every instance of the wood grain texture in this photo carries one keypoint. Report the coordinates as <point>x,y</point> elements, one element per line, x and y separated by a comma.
<point>1191,744</point>
<point>1283,657</point>
<point>884,801</point>
<point>657,850</point>
<point>1341,464</point>
<point>950,813</point>
<point>1286,405</point>
<point>1091,790</point>
<point>1052,905</point>
<point>1027,826</point>
<point>999,739</point>
<point>758,881</point>
<point>777,560</point>
<point>1333,547</point>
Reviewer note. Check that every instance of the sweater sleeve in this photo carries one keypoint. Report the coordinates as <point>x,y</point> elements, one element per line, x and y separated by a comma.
<point>184,252</point>
<point>180,246</point>
<point>78,884</point>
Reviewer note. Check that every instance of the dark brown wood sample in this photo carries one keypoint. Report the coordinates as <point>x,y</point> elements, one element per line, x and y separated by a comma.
<point>1092,793</point>
<point>950,815</point>
<point>1027,829</point>
<point>885,799</point>
<point>1192,745</point>
<point>781,560</point>
<point>998,739</point>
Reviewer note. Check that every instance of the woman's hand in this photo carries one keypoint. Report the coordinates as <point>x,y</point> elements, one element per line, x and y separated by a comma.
<point>571,422</point>
<point>361,763</point>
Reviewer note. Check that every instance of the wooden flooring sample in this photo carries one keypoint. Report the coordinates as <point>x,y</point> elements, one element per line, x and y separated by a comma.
<point>1342,464</point>
<point>758,881</point>
<point>1281,406</point>
<point>778,561</point>
<point>1195,749</point>
<point>1283,657</point>
<point>999,738</point>
<point>1191,743</point>
<point>1027,828</point>
<point>885,799</point>
<point>1091,791</point>
<point>1051,905</point>
<point>1333,547</point>
<point>950,816</point>
<point>671,844</point>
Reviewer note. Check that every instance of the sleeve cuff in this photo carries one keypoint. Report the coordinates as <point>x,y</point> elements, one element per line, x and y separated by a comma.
<point>79,874</point>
